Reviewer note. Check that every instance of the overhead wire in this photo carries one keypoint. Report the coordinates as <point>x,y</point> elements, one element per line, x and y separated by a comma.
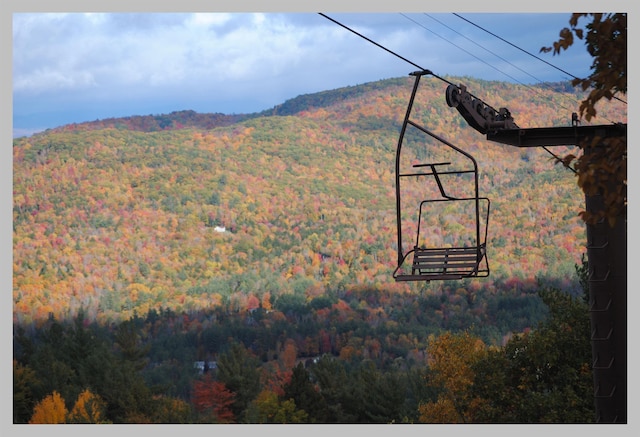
<point>391,51</point>
<point>445,80</point>
<point>513,45</point>
<point>373,42</point>
<point>557,158</point>
<point>476,57</point>
<point>533,89</point>
<point>457,46</point>
<point>524,51</point>
<point>503,59</point>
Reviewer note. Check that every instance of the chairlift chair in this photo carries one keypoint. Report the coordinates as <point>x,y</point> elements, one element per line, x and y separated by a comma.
<point>427,263</point>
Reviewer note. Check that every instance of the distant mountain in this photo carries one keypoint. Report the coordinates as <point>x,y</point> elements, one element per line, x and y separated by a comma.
<point>155,123</point>
<point>189,210</point>
<point>191,119</point>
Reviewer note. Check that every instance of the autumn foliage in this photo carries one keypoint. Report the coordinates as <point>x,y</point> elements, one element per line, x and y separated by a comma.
<point>89,408</point>
<point>213,397</point>
<point>117,220</point>
<point>50,410</point>
<point>451,358</point>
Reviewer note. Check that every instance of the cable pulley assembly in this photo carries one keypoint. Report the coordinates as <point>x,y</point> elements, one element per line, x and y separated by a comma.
<point>481,116</point>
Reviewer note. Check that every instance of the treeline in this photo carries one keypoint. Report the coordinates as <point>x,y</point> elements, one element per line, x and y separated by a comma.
<point>158,122</point>
<point>280,367</point>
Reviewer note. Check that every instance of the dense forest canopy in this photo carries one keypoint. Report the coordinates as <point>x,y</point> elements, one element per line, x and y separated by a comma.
<point>113,217</point>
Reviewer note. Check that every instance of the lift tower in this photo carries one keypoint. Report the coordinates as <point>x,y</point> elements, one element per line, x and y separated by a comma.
<point>606,246</point>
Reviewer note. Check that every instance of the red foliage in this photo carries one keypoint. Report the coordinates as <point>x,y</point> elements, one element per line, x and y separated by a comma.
<point>210,395</point>
<point>277,379</point>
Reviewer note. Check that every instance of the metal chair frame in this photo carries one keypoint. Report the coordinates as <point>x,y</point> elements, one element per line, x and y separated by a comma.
<point>439,263</point>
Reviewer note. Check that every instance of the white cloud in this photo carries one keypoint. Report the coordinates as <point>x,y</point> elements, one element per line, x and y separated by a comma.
<point>208,19</point>
<point>218,62</point>
<point>109,52</point>
<point>47,80</point>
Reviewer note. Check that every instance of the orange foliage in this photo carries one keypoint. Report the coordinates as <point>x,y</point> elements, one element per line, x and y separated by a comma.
<point>50,410</point>
<point>266,301</point>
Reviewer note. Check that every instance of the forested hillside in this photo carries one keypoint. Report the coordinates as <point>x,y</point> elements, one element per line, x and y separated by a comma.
<point>114,219</point>
<point>255,242</point>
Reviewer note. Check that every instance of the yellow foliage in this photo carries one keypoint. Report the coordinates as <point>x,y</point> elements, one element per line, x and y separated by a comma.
<point>451,357</point>
<point>50,410</point>
<point>272,410</point>
<point>87,409</point>
<point>267,403</point>
<point>216,299</point>
<point>135,289</point>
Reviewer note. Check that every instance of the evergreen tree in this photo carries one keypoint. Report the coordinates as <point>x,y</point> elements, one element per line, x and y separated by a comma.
<point>24,381</point>
<point>382,394</point>
<point>305,395</point>
<point>238,371</point>
<point>335,387</point>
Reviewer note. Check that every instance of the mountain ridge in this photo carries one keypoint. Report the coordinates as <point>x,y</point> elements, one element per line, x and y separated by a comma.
<point>204,120</point>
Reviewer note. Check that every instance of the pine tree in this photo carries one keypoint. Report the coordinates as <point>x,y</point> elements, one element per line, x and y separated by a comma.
<point>305,395</point>
<point>238,371</point>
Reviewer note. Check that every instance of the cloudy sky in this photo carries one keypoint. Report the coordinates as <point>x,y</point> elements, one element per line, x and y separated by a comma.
<point>75,67</point>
